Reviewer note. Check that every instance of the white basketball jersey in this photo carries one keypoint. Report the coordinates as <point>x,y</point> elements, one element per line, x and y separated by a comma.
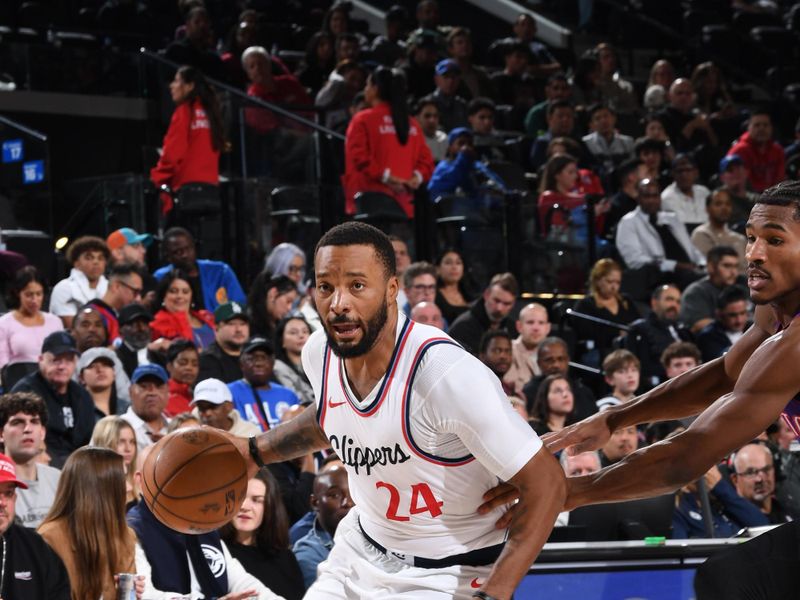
<point>410,446</point>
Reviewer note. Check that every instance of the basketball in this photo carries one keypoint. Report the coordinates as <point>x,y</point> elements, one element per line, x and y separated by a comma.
<point>194,480</point>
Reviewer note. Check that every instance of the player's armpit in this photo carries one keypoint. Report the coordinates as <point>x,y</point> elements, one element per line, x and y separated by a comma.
<point>295,438</point>
<point>542,492</point>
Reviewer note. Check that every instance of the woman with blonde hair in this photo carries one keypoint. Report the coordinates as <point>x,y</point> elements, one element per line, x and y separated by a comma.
<point>118,435</point>
<point>604,301</point>
<point>86,525</point>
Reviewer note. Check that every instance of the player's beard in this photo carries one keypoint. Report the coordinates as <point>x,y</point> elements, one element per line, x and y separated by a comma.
<point>370,332</point>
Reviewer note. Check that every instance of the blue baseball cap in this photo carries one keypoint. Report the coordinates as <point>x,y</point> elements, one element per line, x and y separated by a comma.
<point>731,159</point>
<point>151,370</point>
<point>126,236</point>
<point>448,65</point>
<point>458,132</point>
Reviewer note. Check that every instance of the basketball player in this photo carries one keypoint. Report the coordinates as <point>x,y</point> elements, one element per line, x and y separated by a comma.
<point>424,429</point>
<point>737,396</point>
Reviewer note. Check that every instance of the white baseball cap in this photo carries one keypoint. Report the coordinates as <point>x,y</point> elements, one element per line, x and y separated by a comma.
<point>211,390</point>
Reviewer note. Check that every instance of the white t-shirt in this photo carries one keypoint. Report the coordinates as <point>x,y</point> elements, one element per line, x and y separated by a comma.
<point>70,294</point>
<point>423,447</point>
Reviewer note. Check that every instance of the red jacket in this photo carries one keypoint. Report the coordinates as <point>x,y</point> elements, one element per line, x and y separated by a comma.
<point>180,395</point>
<point>371,148</point>
<point>288,90</point>
<point>188,155</point>
<point>764,164</point>
<point>172,325</point>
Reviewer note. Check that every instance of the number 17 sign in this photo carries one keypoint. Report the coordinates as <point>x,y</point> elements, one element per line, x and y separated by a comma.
<point>12,151</point>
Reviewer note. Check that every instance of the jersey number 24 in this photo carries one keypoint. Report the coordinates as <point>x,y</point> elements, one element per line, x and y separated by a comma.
<point>420,493</point>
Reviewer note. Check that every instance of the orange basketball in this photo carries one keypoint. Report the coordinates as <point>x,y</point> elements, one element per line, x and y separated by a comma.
<point>194,480</point>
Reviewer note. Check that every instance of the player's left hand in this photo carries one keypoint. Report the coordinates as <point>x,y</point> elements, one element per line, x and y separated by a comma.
<point>503,494</point>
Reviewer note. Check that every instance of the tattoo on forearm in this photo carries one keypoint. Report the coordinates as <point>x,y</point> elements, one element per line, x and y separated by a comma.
<point>296,438</point>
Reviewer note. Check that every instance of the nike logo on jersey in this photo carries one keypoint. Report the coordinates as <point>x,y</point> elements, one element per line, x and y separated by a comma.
<point>332,404</point>
<point>475,583</point>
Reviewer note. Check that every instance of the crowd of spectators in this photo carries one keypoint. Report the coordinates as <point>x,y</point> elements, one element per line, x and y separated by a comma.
<point>127,351</point>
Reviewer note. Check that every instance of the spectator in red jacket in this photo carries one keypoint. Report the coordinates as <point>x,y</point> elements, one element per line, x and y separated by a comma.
<point>195,135</point>
<point>763,157</point>
<point>277,89</point>
<point>177,318</point>
<point>385,149</point>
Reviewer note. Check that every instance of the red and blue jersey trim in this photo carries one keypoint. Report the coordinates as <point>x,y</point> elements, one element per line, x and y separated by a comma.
<point>373,407</point>
<point>322,402</point>
<point>406,412</point>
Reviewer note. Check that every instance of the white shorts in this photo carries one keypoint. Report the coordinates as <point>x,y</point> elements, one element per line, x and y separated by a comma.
<point>355,569</point>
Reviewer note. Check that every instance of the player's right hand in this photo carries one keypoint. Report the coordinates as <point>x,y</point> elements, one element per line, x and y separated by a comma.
<point>590,434</point>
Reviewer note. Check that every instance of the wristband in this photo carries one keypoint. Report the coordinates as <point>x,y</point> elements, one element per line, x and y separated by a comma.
<point>483,596</point>
<point>255,453</point>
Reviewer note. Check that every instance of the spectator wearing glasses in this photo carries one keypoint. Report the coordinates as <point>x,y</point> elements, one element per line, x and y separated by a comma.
<point>754,478</point>
<point>729,510</point>
<point>125,286</point>
<point>419,284</point>
<point>288,259</point>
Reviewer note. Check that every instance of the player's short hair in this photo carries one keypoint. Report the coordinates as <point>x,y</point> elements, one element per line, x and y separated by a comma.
<point>618,360</point>
<point>487,338</point>
<point>505,281</point>
<point>416,269</point>
<point>27,403</point>
<point>680,350</point>
<point>87,243</point>
<point>354,233</point>
<point>729,295</point>
<point>717,253</point>
<point>786,193</point>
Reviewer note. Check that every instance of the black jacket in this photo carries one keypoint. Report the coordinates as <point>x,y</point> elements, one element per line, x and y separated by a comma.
<point>76,405</point>
<point>33,571</point>
<point>130,359</point>
<point>468,329</point>
<point>215,362</point>
<point>647,339</point>
<point>713,341</point>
